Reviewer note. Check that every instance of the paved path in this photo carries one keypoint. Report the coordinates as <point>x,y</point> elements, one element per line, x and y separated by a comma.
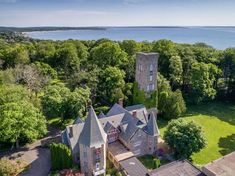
<point>36,156</point>
<point>40,162</point>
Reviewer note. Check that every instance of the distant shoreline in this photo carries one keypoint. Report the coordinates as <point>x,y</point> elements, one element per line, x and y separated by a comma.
<point>35,29</point>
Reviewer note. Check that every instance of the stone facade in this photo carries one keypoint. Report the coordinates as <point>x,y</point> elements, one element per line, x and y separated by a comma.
<point>146,71</point>
<point>93,160</point>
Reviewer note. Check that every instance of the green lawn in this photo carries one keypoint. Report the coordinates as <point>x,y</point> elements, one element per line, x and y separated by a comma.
<point>218,123</point>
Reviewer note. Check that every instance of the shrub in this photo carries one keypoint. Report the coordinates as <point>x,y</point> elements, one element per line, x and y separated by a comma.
<point>8,167</point>
<point>61,157</point>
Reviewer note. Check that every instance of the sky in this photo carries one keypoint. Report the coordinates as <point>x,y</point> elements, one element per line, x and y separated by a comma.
<point>26,13</point>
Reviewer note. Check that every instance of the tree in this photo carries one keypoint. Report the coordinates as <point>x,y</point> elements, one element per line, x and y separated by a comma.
<point>76,102</point>
<point>176,71</point>
<point>30,76</point>
<point>108,54</point>
<point>202,79</point>
<point>45,70</point>
<point>131,47</point>
<point>54,100</point>
<point>170,104</point>
<point>184,137</point>
<point>227,64</point>
<point>188,58</point>
<point>111,84</point>
<point>166,50</point>
<point>59,101</point>
<point>14,93</point>
<point>21,120</point>
<point>44,51</point>
<point>67,59</point>
<point>61,157</point>
<point>15,54</point>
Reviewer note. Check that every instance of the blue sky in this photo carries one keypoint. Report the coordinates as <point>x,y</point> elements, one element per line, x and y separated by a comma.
<point>117,12</point>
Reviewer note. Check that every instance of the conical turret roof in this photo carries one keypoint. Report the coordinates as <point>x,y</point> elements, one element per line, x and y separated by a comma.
<point>151,127</point>
<point>93,134</point>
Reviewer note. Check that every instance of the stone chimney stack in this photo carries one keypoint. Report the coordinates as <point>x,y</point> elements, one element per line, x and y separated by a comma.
<point>120,102</point>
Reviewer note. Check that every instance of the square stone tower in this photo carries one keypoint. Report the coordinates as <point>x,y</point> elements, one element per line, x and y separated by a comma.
<point>146,71</point>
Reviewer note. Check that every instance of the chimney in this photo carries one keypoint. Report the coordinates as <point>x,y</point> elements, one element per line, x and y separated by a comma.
<point>120,102</point>
<point>71,132</point>
<point>134,113</point>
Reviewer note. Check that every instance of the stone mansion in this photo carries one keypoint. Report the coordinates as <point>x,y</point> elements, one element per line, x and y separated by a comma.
<point>121,134</point>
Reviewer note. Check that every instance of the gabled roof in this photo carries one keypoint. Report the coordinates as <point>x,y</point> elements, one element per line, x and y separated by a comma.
<point>222,166</point>
<point>135,107</point>
<point>115,120</point>
<point>76,131</point>
<point>116,109</point>
<point>78,120</point>
<point>101,115</point>
<point>107,127</point>
<point>128,130</point>
<point>177,168</point>
<point>151,128</point>
<point>93,134</point>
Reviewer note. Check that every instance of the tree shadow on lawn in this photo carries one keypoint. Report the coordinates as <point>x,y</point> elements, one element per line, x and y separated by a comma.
<point>224,111</point>
<point>227,144</point>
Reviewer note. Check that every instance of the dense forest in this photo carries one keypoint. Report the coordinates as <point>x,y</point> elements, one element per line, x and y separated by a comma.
<point>44,79</point>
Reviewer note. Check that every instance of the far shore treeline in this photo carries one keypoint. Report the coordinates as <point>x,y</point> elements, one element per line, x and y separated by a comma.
<point>44,79</point>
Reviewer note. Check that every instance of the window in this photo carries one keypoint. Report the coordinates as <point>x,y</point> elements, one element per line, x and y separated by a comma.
<point>151,78</point>
<point>151,67</point>
<point>97,166</point>
<point>140,67</point>
<point>84,154</point>
<point>151,87</point>
<point>148,88</point>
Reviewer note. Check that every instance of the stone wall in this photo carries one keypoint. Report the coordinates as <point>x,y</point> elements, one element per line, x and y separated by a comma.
<point>146,71</point>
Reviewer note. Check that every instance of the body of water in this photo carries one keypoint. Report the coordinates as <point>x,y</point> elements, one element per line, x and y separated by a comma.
<point>218,37</point>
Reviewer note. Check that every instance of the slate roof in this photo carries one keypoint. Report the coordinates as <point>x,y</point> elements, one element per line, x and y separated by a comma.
<point>78,120</point>
<point>129,130</point>
<point>221,166</point>
<point>151,128</point>
<point>177,168</point>
<point>133,167</point>
<point>93,134</point>
<point>116,109</point>
<point>134,107</point>
<point>101,115</point>
<point>77,129</point>
<point>107,126</point>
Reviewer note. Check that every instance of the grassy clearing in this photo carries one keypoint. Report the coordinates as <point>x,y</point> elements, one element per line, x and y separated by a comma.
<point>218,123</point>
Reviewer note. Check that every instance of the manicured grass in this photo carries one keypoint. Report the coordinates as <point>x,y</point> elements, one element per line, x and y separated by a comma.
<point>218,123</point>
